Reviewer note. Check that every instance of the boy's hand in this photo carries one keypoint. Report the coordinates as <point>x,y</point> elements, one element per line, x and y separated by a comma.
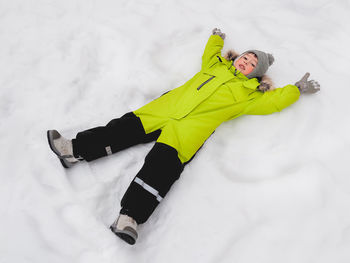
<point>307,86</point>
<point>217,31</point>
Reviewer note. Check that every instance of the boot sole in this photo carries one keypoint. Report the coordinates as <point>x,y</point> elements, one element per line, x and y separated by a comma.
<point>51,135</point>
<point>125,235</point>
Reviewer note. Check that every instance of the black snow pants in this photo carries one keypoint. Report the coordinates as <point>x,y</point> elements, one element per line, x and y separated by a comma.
<point>161,168</point>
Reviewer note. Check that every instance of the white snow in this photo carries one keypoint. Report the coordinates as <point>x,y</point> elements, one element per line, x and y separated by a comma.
<point>268,189</point>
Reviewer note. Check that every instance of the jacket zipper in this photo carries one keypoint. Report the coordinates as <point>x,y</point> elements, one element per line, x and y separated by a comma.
<point>205,82</point>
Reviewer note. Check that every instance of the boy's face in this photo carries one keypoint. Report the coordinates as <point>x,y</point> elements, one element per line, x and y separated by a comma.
<point>246,63</point>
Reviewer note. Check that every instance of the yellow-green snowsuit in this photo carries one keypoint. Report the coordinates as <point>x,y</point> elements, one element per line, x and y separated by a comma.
<point>189,114</point>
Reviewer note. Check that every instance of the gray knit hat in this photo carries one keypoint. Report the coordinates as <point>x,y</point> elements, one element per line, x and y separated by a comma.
<point>264,61</point>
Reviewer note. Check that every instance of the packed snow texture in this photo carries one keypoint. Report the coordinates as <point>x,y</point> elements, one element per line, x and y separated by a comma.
<point>268,189</point>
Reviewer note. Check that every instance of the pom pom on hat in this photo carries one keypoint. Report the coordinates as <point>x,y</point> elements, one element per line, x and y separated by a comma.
<point>271,59</point>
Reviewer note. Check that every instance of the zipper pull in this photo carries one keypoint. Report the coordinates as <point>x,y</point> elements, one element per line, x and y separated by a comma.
<point>205,82</point>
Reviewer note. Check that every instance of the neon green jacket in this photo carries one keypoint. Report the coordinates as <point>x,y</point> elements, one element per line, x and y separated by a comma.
<point>189,114</point>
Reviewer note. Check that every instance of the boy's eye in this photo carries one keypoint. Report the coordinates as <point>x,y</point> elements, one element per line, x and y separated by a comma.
<point>245,58</point>
<point>253,65</point>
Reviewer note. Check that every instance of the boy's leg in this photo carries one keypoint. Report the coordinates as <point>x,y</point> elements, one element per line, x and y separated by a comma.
<point>161,169</point>
<point>117,135</point>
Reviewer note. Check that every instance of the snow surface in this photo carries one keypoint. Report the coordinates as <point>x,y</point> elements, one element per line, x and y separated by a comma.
<point>268,189</point>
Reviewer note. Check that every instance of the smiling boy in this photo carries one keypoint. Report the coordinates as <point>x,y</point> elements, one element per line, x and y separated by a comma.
<point>246,63</point>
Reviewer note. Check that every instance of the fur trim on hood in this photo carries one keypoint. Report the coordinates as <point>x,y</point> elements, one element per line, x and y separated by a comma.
<point>266,83</point>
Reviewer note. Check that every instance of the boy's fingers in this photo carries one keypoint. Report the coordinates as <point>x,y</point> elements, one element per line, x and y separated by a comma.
<point>315,83</point>
<point>304,78</point>
<point>316,89</point>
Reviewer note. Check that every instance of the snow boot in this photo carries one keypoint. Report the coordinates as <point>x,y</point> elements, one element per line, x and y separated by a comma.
<point>125,227</point>
<point>62,147</point>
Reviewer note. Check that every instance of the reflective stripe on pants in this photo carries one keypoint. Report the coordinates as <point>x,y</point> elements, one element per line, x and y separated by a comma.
<point>161,169</point>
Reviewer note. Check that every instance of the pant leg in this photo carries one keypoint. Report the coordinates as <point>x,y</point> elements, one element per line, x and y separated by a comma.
<point>161,169</point>
<point>117,135</point>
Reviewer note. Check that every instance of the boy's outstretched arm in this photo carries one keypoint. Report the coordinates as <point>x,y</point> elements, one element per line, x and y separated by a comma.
<point>213,47</point>
<point>278,99</point>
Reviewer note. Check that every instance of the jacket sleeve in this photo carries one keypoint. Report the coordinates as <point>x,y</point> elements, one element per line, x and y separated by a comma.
<point>274,101</point>
<point>212,49</point>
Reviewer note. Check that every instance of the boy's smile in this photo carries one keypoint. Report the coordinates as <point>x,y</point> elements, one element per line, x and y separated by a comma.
<point>246,63</point>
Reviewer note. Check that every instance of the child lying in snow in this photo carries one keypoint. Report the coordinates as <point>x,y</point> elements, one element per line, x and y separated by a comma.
<point>180,121</point>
